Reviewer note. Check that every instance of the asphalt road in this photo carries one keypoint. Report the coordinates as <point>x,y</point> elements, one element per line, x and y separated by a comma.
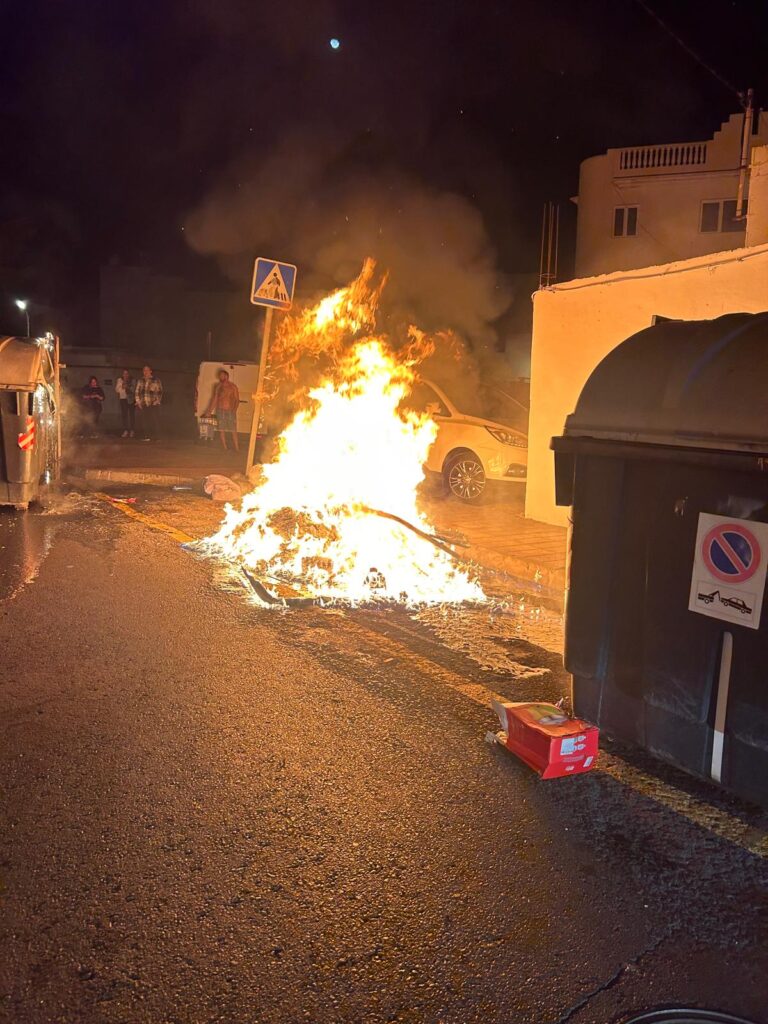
<point>213,812</point>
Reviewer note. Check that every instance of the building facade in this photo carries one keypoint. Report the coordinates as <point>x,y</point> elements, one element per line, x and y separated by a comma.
<point>141,310</point>
<point>648,205</point>
<point>577,323</point>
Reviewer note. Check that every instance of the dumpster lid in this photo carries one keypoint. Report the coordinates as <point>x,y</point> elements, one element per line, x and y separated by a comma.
<point>699,383</point>
<point>21,364</point>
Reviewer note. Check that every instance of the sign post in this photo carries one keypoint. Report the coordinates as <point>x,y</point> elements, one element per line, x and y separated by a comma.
<point>257,398</point>
<point>273,285</point>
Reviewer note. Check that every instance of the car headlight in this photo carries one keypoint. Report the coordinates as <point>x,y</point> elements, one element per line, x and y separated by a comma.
<point>507,437</point>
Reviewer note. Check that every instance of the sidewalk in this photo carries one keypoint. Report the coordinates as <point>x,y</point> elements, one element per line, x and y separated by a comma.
<point>494,534</point>
<point>162,463</point>
<point>500,537</point>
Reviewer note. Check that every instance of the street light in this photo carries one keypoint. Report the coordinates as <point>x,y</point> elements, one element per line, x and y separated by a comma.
<point>24,307</point>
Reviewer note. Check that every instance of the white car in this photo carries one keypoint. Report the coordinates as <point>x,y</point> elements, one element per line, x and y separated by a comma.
<point>469,451</point>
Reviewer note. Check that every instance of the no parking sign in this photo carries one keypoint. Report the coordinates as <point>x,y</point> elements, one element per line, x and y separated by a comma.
<point>729,568</point>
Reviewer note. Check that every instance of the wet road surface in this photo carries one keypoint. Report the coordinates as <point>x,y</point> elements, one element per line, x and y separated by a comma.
<point>214,812</point>
<point>25,540</point>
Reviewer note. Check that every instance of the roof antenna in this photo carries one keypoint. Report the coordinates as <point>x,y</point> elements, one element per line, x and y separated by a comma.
<point>550,236</point>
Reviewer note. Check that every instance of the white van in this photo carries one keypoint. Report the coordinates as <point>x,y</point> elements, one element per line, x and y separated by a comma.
<point>244,375</point>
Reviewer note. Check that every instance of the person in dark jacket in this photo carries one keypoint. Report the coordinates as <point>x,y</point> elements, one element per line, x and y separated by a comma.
<point>92,399</point>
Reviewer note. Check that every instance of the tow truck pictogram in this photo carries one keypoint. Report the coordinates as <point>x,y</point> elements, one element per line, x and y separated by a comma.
<point>729,602</point>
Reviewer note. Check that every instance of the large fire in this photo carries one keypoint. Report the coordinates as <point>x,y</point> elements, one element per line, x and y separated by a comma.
<point>352,453</point>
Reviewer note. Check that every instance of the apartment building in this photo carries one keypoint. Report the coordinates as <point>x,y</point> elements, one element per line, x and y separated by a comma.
<point>649,205</point>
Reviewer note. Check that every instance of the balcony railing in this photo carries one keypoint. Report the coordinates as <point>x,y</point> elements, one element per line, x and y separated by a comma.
<point>641,158</point>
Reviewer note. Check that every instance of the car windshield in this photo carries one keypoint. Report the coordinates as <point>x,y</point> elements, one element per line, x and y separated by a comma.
<point>485,401</point>
<point>507,407</point>
<point>424,399</point>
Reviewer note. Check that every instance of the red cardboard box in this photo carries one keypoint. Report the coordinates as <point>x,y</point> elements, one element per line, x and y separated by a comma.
<point>546,739</point>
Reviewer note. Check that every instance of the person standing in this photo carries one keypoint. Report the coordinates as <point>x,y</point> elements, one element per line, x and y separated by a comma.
<point>125,386</point>
<point>226,401</point>
<point>149,396</point>
<point>92,397</point>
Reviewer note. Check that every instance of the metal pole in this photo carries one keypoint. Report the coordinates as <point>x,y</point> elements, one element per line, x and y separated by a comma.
<point>258,396</point>
<point>57,399</point>
<point>721,707</point>
<point>746,135</point>
<point>26,313</point>
<point>541,255</point>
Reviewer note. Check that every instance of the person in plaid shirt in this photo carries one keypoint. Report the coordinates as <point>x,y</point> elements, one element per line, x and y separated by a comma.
<point>149,396</point>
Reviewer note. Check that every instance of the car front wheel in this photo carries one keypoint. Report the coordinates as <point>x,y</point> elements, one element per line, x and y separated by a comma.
<point>465,477</point>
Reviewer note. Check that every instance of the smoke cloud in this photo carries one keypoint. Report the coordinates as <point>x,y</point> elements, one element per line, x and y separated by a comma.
<point>314,201</point>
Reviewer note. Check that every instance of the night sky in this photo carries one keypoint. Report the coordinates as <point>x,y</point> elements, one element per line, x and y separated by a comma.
<point>118,120</point>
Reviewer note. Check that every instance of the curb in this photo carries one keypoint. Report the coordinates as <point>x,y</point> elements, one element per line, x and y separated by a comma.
<point>546,583</point>
<point>127,476</point>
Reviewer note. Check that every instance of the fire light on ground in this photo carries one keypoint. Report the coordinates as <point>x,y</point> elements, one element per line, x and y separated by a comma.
<point>351,453</point>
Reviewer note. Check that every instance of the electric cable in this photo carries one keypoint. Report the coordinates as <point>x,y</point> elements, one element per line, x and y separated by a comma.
<point>690,51</point>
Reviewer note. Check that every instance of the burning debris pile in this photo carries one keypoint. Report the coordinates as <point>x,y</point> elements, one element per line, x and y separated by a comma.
<point>336,512</point>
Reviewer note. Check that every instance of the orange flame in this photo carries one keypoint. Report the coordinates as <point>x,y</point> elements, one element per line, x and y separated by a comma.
<point>352,452</point>
<point>327,328</point>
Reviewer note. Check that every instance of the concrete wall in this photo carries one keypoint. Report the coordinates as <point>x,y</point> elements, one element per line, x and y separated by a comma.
<point>668,185</point>
<point>179,380</point>
<point>577,323</point>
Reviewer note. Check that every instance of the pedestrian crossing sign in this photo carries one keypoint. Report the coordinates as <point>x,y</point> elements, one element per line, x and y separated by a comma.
<point>273,283</point>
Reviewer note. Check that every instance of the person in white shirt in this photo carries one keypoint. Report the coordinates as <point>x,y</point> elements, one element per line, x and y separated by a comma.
<point>125,386</point>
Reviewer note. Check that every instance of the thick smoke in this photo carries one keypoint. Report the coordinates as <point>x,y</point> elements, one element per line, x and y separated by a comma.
<point>310,202</point>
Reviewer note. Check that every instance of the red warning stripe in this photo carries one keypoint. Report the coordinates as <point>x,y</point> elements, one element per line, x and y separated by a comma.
<point>27,438</point>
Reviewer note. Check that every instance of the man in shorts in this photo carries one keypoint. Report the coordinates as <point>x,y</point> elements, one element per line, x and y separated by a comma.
<point>226,400</point>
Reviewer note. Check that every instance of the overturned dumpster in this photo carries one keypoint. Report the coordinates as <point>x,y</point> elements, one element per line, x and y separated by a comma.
<point>29,418</point>
<point>665,465</point>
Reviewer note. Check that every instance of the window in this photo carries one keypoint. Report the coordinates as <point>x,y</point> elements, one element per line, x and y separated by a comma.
<point>720,215</point>
<point>710,216</point>
<point>624,221</point>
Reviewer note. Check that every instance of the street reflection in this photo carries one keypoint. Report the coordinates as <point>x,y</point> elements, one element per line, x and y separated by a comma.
<point>25,540</point>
